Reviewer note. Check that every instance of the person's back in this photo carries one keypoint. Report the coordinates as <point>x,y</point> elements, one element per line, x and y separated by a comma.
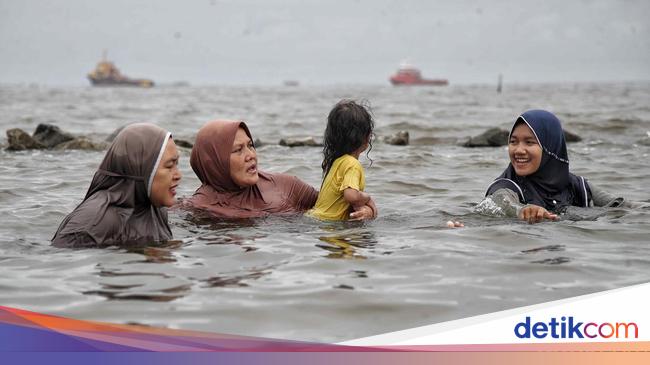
<point>80,229</point>
<point>346,173</point>
<point>348,134</point>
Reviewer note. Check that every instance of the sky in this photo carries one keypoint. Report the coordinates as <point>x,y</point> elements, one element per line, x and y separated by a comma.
<point>245,42</point>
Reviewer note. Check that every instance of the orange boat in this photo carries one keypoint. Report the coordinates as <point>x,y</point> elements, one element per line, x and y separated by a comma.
<point>410,75</point>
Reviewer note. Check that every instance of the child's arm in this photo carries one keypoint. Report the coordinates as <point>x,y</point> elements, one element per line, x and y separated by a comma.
<point>356,198</point>
<point>368,211</point>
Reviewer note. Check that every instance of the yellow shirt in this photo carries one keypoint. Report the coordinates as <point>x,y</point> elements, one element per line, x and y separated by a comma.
<point>346,172</point>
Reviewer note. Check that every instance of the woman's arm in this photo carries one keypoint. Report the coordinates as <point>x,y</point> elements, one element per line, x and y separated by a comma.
<point>602,198</point>
<point>303,195</point>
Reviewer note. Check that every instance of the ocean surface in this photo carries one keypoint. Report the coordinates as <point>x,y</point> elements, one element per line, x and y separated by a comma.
<point>296,278</point>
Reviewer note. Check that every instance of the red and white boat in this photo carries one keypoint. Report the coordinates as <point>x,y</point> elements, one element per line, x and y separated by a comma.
<point>409,75</point>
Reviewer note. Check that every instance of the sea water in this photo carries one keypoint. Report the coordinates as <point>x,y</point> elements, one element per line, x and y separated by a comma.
<point>297,278</point>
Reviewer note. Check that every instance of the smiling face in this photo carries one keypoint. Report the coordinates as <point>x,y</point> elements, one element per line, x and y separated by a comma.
<point>243,160</point>
<point>163,188</point>
<point>524,150</point>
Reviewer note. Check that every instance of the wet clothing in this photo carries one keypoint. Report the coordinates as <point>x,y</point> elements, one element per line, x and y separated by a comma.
<point>221,197</point>
<point>117,209</point>
<point>552,186</point>
<point>346,172</point>
<point>505,203</point>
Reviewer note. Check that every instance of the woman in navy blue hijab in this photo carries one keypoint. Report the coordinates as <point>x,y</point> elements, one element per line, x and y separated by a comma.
<point>537,182</point>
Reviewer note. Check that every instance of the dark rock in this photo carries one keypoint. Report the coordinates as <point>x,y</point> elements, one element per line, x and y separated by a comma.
<point>50,135</point>
<point>82,143</point>
<point>644,142</point>
<point>493,137</point>
<point>183,143</point>
<point>19,140</point>
<point>430,140</point>
<point>571,137</point>
<point>400,138</point>
<point>297,142</point>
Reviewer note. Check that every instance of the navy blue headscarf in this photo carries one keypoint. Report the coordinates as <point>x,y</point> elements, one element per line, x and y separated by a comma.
<point>552,186</point>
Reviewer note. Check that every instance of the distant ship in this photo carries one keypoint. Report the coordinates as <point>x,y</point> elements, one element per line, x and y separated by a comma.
<point>291,83</point>
<point>409,75</point>
<point>106,74</point>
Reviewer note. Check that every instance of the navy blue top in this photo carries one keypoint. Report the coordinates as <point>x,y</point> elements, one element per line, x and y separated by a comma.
<point>552,186</point>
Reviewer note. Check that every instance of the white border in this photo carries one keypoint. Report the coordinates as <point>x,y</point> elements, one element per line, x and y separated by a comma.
<point>629,304</point>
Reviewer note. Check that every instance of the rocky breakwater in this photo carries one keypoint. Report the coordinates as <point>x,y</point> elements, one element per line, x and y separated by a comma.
<point>496,137</point>
<point>49,136</point>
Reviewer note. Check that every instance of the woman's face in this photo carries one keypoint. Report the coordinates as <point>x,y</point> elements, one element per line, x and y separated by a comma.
<point>243,160</point>
<point>524,150</point>
<point>163,188</point>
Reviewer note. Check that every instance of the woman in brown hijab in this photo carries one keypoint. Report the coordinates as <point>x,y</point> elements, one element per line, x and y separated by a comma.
<point>126,199</point>
<point>225,160</point>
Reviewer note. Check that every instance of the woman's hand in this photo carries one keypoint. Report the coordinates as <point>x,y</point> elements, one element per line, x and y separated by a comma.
<point>371,204</point>
<point>364,213</point>
<point>368,211</point>
<point>535,214</point>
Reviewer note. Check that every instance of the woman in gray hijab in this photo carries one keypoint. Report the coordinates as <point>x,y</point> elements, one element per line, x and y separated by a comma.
<point>126,201</point>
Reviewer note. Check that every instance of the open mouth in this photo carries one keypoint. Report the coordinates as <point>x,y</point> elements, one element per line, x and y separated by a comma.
<point>521,163</point>
<point>252,169</point>
<point>172,190</point>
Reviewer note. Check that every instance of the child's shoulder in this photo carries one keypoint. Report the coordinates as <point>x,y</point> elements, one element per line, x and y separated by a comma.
<point>347,161</point>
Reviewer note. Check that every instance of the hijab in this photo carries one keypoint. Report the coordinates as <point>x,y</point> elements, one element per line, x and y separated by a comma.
<point>222,197</point>
<point>117,208</point>
<point>552,186</point>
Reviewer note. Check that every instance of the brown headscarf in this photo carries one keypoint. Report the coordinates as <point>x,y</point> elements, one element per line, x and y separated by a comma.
<point>117,209</point>
<point>219,195</point>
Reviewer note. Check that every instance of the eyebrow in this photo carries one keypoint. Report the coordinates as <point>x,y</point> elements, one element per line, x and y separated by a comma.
<point>525,137</point>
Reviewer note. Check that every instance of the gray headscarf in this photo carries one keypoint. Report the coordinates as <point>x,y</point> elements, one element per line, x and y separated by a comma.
<point>117,209</point>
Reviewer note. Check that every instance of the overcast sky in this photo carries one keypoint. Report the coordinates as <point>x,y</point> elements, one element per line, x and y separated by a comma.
<point>325,42</point>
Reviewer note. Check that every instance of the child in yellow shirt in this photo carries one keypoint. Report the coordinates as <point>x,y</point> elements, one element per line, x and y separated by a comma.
<point>348,134</point>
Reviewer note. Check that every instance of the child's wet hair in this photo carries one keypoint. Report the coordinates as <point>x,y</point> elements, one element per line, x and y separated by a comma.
<point>349,125</point>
